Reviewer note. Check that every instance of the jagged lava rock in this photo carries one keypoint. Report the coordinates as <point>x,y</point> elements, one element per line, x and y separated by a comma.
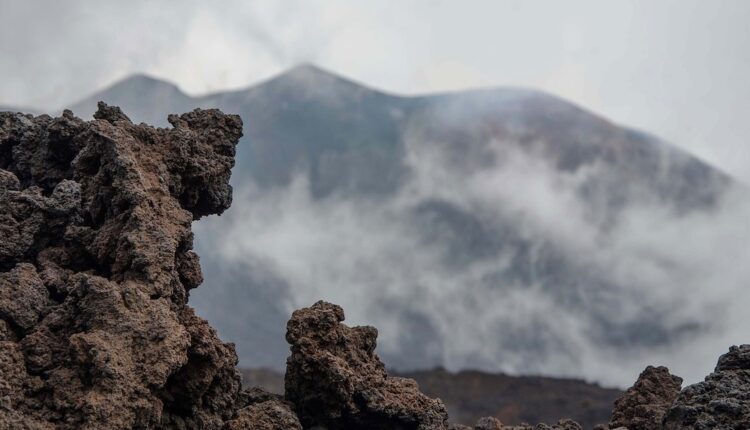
<point>95,269</point>
<point>644,404</point>
<point>336,380</point>
<point>721,401</point>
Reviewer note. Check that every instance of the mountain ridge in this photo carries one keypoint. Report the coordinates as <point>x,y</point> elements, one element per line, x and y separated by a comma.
<point>86,106</point>
<point>305,71</point>
<point>543,217</point>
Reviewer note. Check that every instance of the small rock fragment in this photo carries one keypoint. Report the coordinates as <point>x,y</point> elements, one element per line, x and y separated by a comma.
<point>644,404</point>
<point>336,380</point>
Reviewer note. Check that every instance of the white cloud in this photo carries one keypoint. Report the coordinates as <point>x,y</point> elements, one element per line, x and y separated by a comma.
<point>370,256</point>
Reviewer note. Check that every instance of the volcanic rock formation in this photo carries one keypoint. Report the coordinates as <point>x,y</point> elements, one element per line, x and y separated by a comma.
<point>96,266</point>
<point>722,401</point>
<point>643,406</point>
<point>336,380</point>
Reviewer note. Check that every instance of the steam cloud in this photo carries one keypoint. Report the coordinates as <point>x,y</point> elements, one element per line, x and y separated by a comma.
<point>652,284</point>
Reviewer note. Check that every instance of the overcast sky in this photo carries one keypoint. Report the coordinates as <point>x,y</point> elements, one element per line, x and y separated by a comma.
<point>676,68</point>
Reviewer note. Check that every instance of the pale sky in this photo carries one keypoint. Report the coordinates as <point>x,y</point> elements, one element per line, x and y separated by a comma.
<point>675,68</point>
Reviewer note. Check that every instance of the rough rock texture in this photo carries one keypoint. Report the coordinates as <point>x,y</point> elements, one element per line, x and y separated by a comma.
<point>722,401</point>
<point>264,411</point>
<point>96,265</point>
<point>491,423</point>
<point>95,269</point>
<point>335,379</point>
<point>643,406</point>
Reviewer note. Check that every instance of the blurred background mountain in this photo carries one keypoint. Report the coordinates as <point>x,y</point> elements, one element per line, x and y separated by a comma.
<point>497,229</point>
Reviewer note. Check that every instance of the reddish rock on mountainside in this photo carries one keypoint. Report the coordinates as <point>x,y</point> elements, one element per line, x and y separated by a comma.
<point>336,380</point>
<point>95,269</point>
<point>469,395</point>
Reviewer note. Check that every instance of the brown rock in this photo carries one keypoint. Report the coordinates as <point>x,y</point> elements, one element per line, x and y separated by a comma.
<point>488,423</point>
<point>644,404</point>
<point>335,379</point>
<point>264,411</point>
<point>23,297</point>
<point>95,269</point>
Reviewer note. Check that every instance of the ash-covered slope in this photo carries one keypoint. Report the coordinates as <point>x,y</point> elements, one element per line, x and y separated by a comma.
<point>552,225</point>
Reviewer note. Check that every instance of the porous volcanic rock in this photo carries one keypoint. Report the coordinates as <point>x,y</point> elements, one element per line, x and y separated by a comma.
<point>264,411</point>
<point>644,404</point>
<point>336,380</point>
<point>491,423</point>
<point>95,269</point>
<point>721,401</point>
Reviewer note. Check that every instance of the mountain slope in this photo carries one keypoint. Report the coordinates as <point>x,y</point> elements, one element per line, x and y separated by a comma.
<point>310,118</point>
<point>470,395</point>
<point>561,233</point>
<point>146,97</point>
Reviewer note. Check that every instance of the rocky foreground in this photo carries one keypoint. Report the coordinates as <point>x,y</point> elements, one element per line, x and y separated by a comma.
<point>96,265</point>
<point>470,394</point>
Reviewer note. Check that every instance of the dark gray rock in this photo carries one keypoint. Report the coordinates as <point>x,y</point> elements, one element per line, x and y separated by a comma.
<point>722,401</point>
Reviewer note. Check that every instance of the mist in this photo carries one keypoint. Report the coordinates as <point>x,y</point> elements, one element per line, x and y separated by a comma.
<point>453,268</point>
